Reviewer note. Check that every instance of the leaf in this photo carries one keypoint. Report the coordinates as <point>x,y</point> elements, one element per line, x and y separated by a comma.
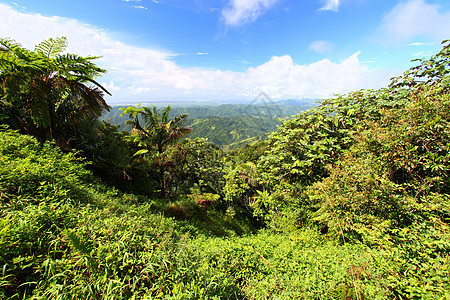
<point>51,47</point>
<point>140,152</point>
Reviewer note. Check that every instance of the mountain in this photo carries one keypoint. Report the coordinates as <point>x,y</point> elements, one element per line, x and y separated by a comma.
<point>229,125</point>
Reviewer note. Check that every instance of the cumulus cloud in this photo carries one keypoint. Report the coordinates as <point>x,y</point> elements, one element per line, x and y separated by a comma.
<point>414,19</point>
<point>331,5</point>
<point>281,77</point>
<point>321,46</point>
<point>143,75</point>
<point>239,12</point>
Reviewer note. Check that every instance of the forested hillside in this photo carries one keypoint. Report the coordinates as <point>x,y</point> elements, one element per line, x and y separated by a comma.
<point>229,126</point>
<point>348,200</point>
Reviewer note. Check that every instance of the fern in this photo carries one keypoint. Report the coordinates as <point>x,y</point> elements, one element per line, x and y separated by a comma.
<point>48,89</point>
<point>52,47</point>
<point>77,244</point>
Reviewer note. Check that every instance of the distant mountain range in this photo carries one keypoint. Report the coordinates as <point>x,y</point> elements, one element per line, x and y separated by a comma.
<point>229,126</point>
<point>288,102</point>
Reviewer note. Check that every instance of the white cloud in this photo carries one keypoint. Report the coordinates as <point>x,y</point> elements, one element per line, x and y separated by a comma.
<point>239,12</point>
<point>413,19</point>
<point>331,5</point>
<point>419,44</point>
<point>281,77</point>
<point>140,7</point>
<point>202,53</point>
<point>321,46</point>
<point>111,86</point>
<point>144,75</point>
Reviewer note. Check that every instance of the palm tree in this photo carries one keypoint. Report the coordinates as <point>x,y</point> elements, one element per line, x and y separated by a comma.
<point>153,130</point>
<point>43,92</point>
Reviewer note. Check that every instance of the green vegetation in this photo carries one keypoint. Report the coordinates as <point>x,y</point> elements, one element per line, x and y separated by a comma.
<point>46,93</point>
<point>229,126</point>
<point>157,133</point>
<point>234,132</point>
<point>349,200</point>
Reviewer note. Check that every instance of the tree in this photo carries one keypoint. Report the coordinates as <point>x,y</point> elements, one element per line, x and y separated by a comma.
<point>153,130</point>
<point>156,130</point>
<point>43,92</point>
<point>110,153</point>
<point>195,163</point>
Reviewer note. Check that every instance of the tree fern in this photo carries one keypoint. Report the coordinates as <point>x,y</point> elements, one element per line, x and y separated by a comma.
<point>45,90</point>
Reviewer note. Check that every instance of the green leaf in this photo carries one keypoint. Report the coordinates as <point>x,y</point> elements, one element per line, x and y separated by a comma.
<point>140,152</point>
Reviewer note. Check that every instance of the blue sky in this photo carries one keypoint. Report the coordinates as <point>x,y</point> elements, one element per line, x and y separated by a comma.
<point>206,50</point>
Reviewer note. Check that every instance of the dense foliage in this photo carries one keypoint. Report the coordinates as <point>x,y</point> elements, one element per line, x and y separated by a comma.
<point>152,130</point>
<point>397,136</point>
<point>64,237</point>
<point>349,200</point>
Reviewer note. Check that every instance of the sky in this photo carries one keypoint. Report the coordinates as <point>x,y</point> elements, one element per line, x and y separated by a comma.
<point>221,50</point>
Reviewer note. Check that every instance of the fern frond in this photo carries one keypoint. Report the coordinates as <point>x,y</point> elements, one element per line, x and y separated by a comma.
<point>8,45</point>
<point>76,243</point>
<point>52,47</point>
<point>13,56</point>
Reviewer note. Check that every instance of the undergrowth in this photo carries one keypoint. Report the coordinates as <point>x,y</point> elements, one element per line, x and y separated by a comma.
<point>63,237</point>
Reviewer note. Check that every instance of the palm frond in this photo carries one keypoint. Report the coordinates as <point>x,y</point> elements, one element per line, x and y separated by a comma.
<point>165,114</point>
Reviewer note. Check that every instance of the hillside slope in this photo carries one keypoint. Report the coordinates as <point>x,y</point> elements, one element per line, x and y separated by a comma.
<point>62,235</point>
<point>229,126</point>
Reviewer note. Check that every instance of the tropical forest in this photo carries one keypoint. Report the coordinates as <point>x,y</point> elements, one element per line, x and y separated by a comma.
<point>345,199</point>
